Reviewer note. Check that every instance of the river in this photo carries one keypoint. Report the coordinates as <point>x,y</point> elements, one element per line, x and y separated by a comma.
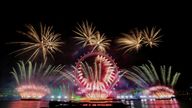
<point>131,104</point>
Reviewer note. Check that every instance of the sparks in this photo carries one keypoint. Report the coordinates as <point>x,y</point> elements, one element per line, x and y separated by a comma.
<point>131,41</point>
<point>88,36</point>
<point>85,33</point>
<point>147,75</point>
<point>160,92</point>
<point>95,80</point>
<point>151,38</point>
<point>100,42</point>
<point>45,42</point>
<point>32,80</point>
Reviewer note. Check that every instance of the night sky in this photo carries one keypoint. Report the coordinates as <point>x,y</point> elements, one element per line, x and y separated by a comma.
<point>175,22</point>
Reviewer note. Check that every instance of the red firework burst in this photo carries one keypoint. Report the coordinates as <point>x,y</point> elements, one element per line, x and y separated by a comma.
<point>160,92</point>
<point>96,74</point>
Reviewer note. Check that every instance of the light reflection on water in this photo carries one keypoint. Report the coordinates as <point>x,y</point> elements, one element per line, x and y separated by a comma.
<point>132,104</point>
<point>160,104</point>
<point>28,104</point>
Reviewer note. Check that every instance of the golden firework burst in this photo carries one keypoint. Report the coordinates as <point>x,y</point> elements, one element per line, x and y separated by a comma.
<point>45,42</point>
<point>100,42</point>
<point>131,41</point>
<point>151,38</point>
<point>85,33</point>
<point>90,37</point>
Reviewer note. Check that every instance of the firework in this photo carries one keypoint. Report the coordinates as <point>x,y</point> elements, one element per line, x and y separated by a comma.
<point>32,80</point>
<point>85,33</point>
<point>45,42</point>
<point>97,80</point>
<point>89,37</point>
<point>100,42</point>
<point>138,80</point>
<point>32,91</point>
<point>135,39</point>
<point>147,74</point>
<point>151,38</point>
<point>146,77</point>
<point>167,79</point>
<point>131,41</point>
<point>159,92</point>
<point>92,83</point>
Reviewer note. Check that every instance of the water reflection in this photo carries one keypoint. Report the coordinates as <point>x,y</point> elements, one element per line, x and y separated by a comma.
<point>156,104</point>
<point>28,104</point>
<point>130,104</point>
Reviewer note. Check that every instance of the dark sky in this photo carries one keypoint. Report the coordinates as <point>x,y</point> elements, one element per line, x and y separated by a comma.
<point>111,19</point>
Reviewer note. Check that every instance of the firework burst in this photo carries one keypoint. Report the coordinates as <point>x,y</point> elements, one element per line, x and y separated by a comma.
<point>96,80</point>
<point>159,92</point>
<point>89,37</point>
<point>45,42</point>
<point>100,42</point>
<point>32,80</point>
<point>147,75</point>
<point>85,33</point>
<point>32,91</point>
<point>151,38</point>
<point>131,41</point>
<point>156,86</point>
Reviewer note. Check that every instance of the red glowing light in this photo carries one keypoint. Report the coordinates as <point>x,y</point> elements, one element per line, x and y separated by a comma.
<point>32,91</point>
<point>160,92</point>
<point>98,80</point>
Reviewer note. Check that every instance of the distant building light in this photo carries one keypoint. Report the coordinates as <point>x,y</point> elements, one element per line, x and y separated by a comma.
<point>59,97</point>
<point>131,96</point>
<point>52,96</point>
<point>122,97</point>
